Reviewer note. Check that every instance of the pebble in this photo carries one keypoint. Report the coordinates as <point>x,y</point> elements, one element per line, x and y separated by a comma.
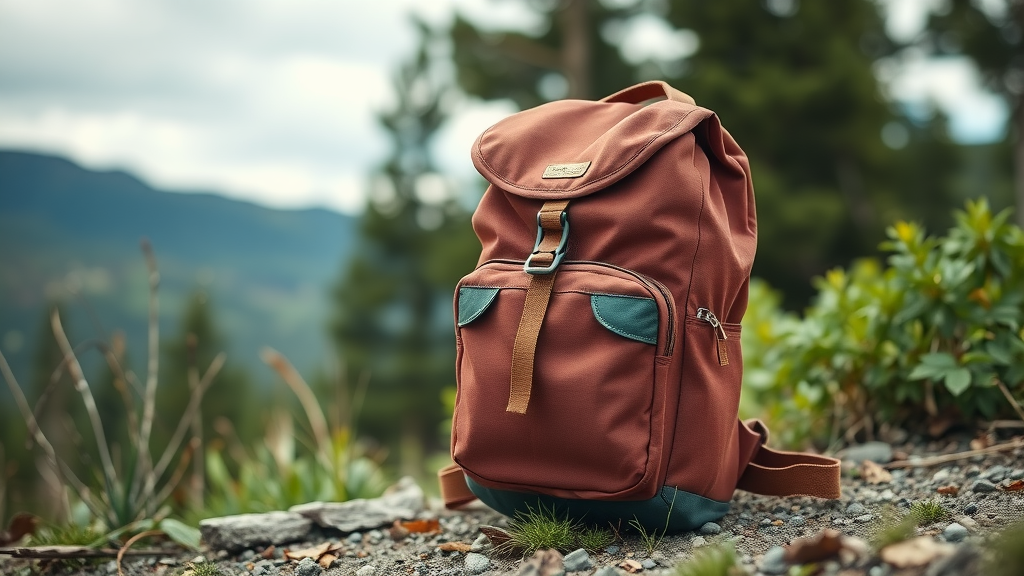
<point>698,542</point>
<point>608,571</point>
<point>368,570</point>
<point>710,529</point>
<point>797,520</point>
<point>477,563</point>
<point>355,538</point>
<point>955,532</point>
<point>864,518</point>
<point>577,560</point>
<point>972,472</point>
<point>308,567</point>
<point>1017,474</point>
<point>265,568</point>
<point>773,561</point>
<point>855,509</point>
<point>995,474</point>
<point>971,509</point>
<point>649,564</point>
<point>983,486</point>
<point>941,475</point>
<point>612,549</point>
<point>481,544</point>
<point>887,495</point>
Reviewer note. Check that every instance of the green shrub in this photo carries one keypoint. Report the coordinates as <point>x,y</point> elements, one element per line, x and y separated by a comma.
<point>936,331</point>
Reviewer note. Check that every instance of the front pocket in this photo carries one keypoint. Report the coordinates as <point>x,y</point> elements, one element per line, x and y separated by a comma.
<point>600,374</point>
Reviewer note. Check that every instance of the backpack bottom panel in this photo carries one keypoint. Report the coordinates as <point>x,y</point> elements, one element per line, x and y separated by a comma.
<point>680,510</point>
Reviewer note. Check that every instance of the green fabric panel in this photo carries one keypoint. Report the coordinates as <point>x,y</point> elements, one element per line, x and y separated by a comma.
<point>473,302</point>
<point>629,316</point>
<point>686,512</point>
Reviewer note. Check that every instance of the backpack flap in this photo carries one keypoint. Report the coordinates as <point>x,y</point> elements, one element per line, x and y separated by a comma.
<point>572,148</point>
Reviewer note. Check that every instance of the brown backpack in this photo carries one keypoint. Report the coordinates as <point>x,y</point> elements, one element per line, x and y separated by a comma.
<point>598,340</point>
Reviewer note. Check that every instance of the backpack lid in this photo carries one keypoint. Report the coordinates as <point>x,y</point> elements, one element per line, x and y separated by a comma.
<point>572,148</point>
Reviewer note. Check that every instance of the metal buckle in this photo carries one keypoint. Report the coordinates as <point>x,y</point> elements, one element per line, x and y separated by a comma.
<point>558,253</point>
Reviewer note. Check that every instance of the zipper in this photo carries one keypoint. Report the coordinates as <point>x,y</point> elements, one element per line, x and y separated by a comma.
<point>709,317</point>
<point>649,283</point>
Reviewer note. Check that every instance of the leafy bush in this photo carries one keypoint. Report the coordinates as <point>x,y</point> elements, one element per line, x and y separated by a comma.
<point>936,332</point>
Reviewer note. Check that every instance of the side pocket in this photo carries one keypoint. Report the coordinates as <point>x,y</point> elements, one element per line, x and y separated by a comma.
<point>705,446</point>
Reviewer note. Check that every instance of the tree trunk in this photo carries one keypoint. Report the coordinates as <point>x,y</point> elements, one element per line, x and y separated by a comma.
<point>574,22</point>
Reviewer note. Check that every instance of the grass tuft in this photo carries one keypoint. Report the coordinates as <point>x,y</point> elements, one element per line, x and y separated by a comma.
<point>202,569</point>
<point>541,528</point>
<point>927,512</point>
<point>893,528</point>
<point>711,561</point>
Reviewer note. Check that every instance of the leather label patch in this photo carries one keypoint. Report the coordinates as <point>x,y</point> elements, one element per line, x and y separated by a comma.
<point>566,170</point>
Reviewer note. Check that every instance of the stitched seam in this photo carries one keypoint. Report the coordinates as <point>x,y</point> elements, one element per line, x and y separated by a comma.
<point>480,155</point>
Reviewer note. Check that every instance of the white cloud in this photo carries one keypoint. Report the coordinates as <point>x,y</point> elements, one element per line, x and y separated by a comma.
<point>274,100</point>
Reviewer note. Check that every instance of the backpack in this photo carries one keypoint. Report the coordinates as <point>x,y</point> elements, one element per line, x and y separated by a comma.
<point>598,340</point>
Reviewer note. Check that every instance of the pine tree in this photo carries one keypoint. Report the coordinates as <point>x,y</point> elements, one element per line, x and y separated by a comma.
<point>393,316</point>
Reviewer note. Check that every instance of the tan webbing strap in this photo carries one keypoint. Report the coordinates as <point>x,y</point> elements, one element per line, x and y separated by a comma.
<point>779,473</point>
<point>454,490</point>
<point>537,296</point>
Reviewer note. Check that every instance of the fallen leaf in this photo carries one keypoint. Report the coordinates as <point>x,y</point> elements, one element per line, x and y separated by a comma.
<point>915,552</point>
<point>823,546</point>
<point>631,566</point>
<point>497,536</point>
<point>981,442</point>
<point>542,563</point>
<point>315,552</point>
<point>950,490</point>
<point>268,553</point>
<point>778,523</point>
<point>21,525</point>
<point>1015,486</point>
<point>421,526</point>
<point>455,547</point>
<point>872,473</point>
<point>326,560</point>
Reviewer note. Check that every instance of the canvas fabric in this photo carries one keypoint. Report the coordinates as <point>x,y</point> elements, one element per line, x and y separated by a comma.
<point>598,340</point>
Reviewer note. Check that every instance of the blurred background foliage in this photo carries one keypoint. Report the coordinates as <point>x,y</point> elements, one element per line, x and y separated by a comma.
<point>858,319</point>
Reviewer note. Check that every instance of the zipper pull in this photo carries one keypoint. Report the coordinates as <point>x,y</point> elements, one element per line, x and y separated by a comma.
<point>709,317</point>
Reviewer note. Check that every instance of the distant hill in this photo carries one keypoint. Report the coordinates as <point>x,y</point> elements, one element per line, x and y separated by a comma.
<point>267,272</point>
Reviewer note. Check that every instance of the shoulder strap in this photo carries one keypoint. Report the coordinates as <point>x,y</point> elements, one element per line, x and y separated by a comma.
<point>454,490</point>
<point>779,473</point>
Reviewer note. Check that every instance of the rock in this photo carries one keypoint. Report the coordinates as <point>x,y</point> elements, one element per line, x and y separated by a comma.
<point>797,520</point>
<point>864,518</point>
<point>966,560</point>
<point>247,530</point>
<point>368,570</point>
<point>887,495</point>
<point>941,476</point>
<point>877,452</point>
<point>608,571</point>
<point>265,568</point>
<point>649,564</point>
<point>400,502</point>
<point>308,567</point>
<point>983,486</point>
<point>1017,474</point>
<point>477,563</point>
<point>612,549</point>
<point>577,560</point>
<point>972,472</point>
<point>774,561</point>
<point>971,509</point>
<point>481,544</point>
<point>542,563</point>
<point>955,532</point>
<point>995,474</point>
<point>710,529</point>
<point>855,509</point>
<point>698,542</point>
<point>355,538</point>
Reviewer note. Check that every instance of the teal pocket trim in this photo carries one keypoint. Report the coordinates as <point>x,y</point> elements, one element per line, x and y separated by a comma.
<point>473,302</point>
<point>683,510</point>
<point>629,316</point>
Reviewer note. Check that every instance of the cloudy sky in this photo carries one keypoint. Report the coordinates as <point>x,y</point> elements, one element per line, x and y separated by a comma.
<point>274,100</point>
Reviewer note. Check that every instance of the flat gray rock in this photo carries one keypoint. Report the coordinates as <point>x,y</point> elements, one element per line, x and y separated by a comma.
<point>403,501</point>
<point>247,530</point>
